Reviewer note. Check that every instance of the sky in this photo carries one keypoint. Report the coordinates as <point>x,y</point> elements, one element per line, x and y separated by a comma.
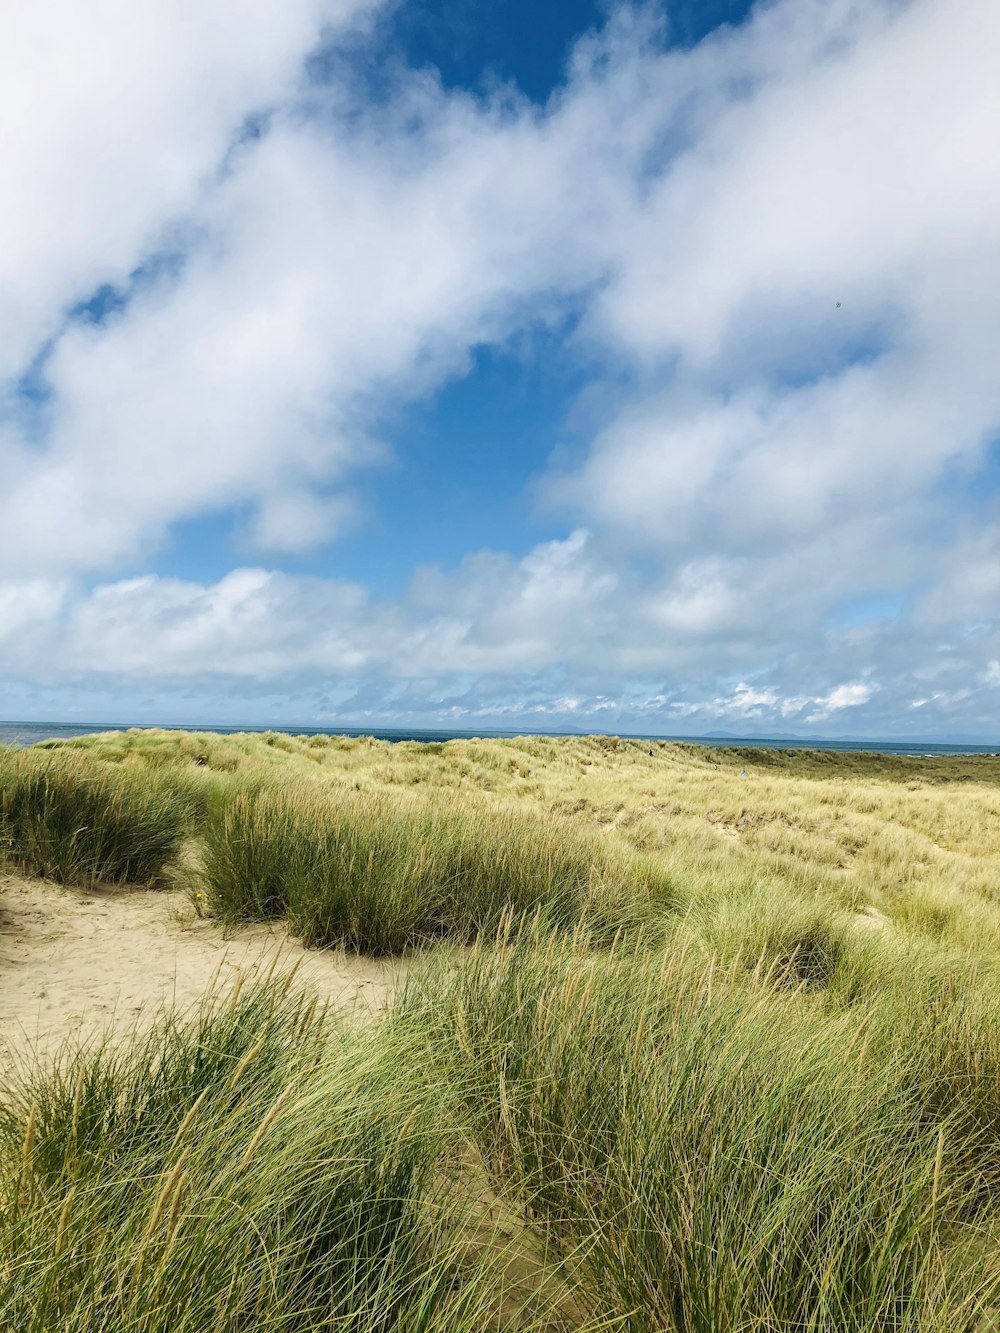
<point>563,365</point>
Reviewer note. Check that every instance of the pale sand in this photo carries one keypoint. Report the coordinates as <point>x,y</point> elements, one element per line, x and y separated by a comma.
<point>74,962</point>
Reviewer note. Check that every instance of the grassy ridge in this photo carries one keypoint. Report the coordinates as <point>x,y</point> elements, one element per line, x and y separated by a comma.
<point>724,1058</point>
<point>916,840</point>
<point>370,872</point>
<point>912,843</point>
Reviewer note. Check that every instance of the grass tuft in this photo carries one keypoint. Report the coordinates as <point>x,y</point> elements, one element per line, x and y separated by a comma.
<point>256,1166</point>
<point>376,875</point>
<point>718,1049</point>
<point>709,1153</point>
<point>77,822</point>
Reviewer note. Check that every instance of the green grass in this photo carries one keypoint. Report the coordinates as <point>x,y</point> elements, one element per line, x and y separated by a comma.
<point>259,1166</point>
<point>712,1152</point>
<point>915,839</point>
<point>376,876</point>
<point>547,1137</point>
<point>77,822</point>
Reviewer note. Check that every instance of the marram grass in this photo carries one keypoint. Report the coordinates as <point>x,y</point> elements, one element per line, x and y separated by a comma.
<point>545,1138</point>
<point>79,823</point>
<point>259,1166</point>
<point>377,876</point>
<point>712,1153</point>
<point>914,840</point>
<point>724,1056</point>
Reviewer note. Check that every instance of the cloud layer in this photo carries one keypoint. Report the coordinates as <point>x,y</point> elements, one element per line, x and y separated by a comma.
<point>228,276</point>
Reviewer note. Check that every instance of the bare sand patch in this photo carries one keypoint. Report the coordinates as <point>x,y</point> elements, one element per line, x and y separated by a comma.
<point>73,962</point>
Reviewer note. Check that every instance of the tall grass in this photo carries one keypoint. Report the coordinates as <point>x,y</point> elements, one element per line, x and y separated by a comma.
<point>671,1146</point>
<point>714,1152</point>
<point>78,822</point>
<point>376,875</point>
<point>916,839</point>
<point>257,1167</point>
<point>770,1101</point>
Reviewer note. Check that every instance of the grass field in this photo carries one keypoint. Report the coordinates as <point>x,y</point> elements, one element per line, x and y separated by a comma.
<point>687,1050</point>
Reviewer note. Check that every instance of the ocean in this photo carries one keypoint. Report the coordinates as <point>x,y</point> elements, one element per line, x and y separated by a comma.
<point>29,733</point>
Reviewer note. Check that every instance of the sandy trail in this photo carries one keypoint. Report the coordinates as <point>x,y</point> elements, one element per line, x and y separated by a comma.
<point>73,962</point>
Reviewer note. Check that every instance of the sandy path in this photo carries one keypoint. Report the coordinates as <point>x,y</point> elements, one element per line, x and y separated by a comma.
<point>74,961</point>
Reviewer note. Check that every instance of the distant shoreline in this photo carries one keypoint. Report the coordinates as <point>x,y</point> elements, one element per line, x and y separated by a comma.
<point>30,733</point>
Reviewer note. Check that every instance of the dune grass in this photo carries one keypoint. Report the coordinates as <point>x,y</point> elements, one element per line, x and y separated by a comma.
<point>372,875</point>
<point>375,872</point>
<point>77,822</point>
<point>712,1152</point>
<point>258,1166</point>
<point>911,843</point>
<point>547,1137</point>
<point>722,1051</point>
<point>914,839</point>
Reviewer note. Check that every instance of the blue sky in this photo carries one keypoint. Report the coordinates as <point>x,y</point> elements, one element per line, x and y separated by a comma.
<point>566,366</point>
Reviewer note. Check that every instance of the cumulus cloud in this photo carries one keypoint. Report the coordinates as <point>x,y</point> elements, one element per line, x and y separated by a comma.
<point>116,116</point>
<point>291,264</point>
<point>844,696</point>
<point>27,606</point>
<point>837,180</point>
<point>347,255</point>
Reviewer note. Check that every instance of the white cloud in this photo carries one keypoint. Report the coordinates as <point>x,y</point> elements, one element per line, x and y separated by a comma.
<point>839,178</point>
<point>27,606</point>
<point>844,696</point>
<point>345,261</point>
<point>252,622</point>
<point>298,520</point>
<point>746,701</point>
<point>115,117</point>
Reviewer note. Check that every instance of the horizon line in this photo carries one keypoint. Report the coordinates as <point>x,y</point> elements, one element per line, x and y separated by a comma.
<point>345,729</point>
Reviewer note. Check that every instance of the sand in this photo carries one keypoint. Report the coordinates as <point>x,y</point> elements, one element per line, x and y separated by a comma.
<point>74,962</point>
